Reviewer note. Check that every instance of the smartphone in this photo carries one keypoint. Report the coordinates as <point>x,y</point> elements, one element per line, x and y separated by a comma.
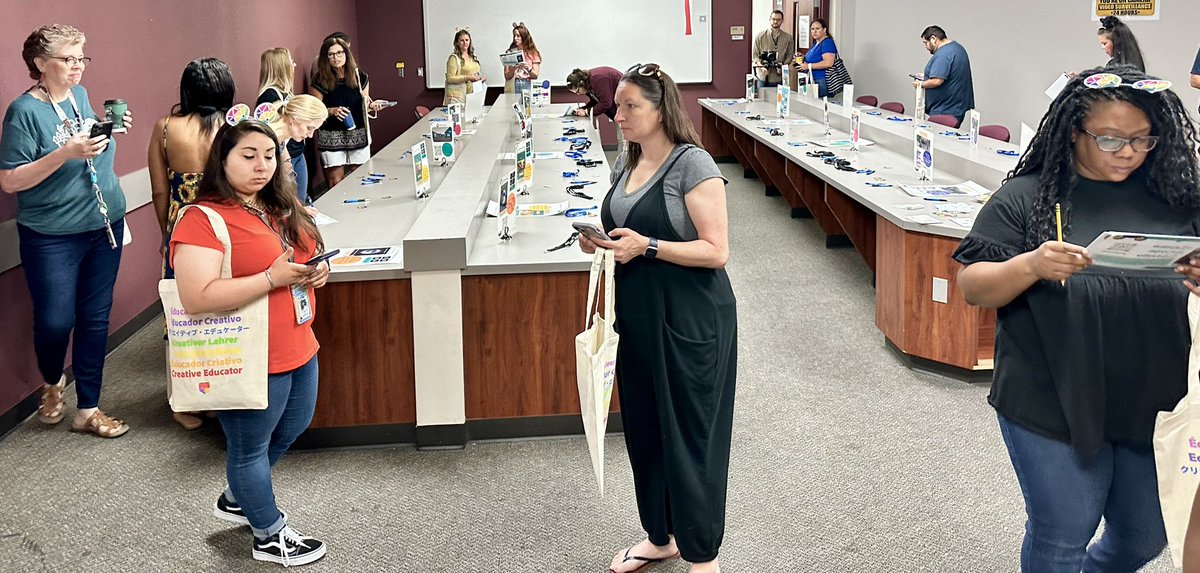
<point>591,231</point>
<point>914,76</point>
<point>389,103</point>
<point>322,257</point>
<point>99,128</point>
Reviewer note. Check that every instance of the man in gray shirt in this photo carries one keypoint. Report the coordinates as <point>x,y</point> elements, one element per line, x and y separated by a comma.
<point>773,41</point>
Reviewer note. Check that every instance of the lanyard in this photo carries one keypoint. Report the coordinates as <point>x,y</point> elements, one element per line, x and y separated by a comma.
<point>263,217</point>
<point>76,127</point>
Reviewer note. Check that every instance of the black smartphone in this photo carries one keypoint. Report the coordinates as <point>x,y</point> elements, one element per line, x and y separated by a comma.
<point>101,128</point>
<point>914,76</point>
<point>322,257</point>
<point>591,231</point>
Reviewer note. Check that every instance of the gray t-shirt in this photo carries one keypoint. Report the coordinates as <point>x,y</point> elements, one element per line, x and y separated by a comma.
<point>694,166</point>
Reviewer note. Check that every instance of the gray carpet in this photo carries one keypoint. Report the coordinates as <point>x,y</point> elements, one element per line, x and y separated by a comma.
<point>843,460</point>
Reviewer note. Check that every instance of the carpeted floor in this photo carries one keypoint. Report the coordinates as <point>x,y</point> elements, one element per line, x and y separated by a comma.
<point>843,460</point>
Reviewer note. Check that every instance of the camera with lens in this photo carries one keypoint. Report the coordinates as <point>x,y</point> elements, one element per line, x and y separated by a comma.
<point>768,60</point>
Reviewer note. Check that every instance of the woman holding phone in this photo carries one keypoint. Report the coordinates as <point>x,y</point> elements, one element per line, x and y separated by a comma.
<point>272,236</point>
<point>70,211</point>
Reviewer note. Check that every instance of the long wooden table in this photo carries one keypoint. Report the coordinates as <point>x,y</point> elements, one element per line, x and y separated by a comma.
<point>911,262</point>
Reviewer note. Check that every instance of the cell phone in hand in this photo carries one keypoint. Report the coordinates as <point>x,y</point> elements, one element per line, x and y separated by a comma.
<point>591,231</point>
<point>388,103</point>
<point>99,128</point>
<point>318,259</point>
<point>915,76</point>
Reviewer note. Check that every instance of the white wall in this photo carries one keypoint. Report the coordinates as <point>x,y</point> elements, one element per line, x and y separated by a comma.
<point>1017,47</point>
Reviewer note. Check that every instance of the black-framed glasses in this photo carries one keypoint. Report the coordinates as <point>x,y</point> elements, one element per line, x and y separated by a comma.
<point>72,61</point>
<point>333,55</point>
<point>1114,144</point>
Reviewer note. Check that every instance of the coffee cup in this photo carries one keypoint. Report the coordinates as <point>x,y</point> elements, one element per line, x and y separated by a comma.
<point>114,111</point>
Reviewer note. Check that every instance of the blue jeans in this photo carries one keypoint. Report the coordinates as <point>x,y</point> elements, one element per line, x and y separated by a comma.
<point>764,84</point>
<point>256,439</point>
<point>300,167</point>
<point>71,280</point>
<point>1065,496</point>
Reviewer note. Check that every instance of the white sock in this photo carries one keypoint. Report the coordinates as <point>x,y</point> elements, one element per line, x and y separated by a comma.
<point>85,413</point>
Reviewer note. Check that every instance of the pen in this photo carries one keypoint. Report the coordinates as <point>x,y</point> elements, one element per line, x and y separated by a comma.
<point>934,199</point>
<point>355,201</point>
<point>1058,224</point>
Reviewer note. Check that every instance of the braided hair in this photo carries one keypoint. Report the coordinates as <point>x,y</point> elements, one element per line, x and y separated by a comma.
<point>1170,169</point>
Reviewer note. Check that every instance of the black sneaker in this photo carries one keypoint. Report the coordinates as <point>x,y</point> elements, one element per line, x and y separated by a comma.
<point>288,547</point>
<point>229,511</point>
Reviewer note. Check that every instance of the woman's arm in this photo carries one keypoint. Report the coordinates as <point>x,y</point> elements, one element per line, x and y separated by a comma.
<point>201,288</point>
<point>29,175</point>
<point>993,285</point>
<point>706,206</point>
<point>1191,543</point>
<point>454,72</point>
<point>535,67</point>
<point>160,187</point>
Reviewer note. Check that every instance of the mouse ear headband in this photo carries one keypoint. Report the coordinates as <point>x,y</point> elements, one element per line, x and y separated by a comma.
<point>458,29</point>
<point>518,24</point>
<point>265,113</point>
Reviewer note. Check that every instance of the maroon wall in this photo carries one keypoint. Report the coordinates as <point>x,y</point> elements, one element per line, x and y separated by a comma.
<point>391,31</point>
<point>140,48</point>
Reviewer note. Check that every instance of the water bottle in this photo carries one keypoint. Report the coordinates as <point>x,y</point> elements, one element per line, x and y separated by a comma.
<point>349,121</point>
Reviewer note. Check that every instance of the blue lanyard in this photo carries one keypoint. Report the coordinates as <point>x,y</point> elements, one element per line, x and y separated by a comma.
<point>75,129</point>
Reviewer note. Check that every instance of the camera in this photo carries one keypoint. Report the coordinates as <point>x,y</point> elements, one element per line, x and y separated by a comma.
<point>768,60</point>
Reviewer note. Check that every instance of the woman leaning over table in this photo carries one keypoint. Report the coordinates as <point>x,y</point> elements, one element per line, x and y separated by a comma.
<point>270,232</point>
<point>531,68</point>
<point>820,57</point>
<point>69,219</point>
<point>462,69</point>
<point>276,78</point>
<point>1087,356</point>
<point>677,317</point>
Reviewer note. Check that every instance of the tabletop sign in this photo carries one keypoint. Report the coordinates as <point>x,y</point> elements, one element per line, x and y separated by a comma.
<point>506,222</point>
<point>420,157</point>
<point>751,87</point>
<point>855,125</point>
<point>825,113</point>
<point>441,136</point>
<point>973,123</point>
<point>524,168</point>
<point>847,97</point>
<point>919,108</point>
<point>455,112</point>
<point>923,154</point>
<point>783,95</point>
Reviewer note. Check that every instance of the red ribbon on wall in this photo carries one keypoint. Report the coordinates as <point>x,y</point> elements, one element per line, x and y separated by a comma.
<point>687,15</point>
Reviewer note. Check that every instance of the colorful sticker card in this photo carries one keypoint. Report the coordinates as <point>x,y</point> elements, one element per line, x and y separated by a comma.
<point>506,221</point>
<point>420,159</point>
<point>923,154</point>
<point>441,135</point>
<point>524,166</point>
<point>455,112</point>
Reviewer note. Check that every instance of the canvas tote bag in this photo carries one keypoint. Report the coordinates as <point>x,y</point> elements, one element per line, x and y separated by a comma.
<point>836,77</point>
<point>596,359</point>
<point>216,361</point>
<point>1177,448</point>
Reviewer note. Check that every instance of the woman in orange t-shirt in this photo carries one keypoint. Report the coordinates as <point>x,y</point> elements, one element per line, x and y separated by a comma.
<point>270,233</point>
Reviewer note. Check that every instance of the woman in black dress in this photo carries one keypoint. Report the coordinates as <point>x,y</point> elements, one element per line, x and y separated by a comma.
<point>677,317</point>
<point>1084,365</point>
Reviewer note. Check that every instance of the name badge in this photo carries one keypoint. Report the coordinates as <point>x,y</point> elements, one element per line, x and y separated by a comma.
<point>302,304</point>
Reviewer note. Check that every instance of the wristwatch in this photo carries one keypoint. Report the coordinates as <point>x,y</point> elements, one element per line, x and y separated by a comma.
<point>652,249</point>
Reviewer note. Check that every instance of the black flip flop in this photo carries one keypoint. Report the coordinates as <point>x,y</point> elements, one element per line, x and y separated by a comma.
<point>645,560</point>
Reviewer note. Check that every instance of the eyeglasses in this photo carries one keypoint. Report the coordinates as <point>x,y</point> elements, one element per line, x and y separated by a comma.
<point>1114,144</point>
<point>648,70</point>
<point>72,61</point>
<point>336,54</point>
<point>1106,80</point>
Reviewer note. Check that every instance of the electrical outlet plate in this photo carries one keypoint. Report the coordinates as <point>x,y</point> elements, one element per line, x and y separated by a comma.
<point>941,290</point>
<point>421,72</point>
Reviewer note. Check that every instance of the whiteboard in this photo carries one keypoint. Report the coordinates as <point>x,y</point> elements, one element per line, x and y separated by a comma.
<point>575,34</point>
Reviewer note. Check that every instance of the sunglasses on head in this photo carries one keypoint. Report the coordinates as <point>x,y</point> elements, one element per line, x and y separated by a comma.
<point>1107,80</point>
<point>648,70</point>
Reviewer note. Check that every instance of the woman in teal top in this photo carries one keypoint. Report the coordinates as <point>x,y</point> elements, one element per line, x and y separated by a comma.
<point>820,57</point>
<point>69,219</point>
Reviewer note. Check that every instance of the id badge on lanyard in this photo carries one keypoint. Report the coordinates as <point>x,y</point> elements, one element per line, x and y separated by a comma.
<point>301,302</point>
<point>75,128</point>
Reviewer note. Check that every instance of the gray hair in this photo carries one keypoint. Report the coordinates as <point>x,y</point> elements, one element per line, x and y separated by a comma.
<point>44,41</point>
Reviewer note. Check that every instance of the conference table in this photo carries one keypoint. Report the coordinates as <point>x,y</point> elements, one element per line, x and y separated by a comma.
<point>906,240</point>
<point>433,330</point>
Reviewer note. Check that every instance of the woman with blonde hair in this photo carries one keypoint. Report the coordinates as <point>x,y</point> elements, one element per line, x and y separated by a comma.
<point>298,119</point>
<point>276,77</point>
<point>462,68</point>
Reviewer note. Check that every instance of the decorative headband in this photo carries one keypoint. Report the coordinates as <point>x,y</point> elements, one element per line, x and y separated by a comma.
<point>518,24</point>
<point>1106,81</point>
<point>458,29</point>
<point>265,113</point>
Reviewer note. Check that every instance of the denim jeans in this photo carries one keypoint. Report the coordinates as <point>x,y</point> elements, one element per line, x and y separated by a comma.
<point>71,279</point>
<point>1066,495</point>
<point>256,439</point>
<point>300,167</point>
<point>765,84</point>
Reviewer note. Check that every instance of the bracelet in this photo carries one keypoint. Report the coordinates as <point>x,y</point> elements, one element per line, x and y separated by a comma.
<point>267,273</point>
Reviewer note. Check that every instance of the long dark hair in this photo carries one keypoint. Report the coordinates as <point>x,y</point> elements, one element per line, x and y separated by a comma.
<point>821,21</point>
<point>1125,48</point>
<point>470,47</point>
<point>206,89</point>
<point>326,78</point>
<point>663,94</point>
<point>277,197</point>
<point>1170,169</point>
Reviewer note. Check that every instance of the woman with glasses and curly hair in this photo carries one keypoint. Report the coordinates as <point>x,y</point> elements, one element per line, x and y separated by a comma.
<point>70,211</point>
<point>1076,388</point>
<point>677,316</point>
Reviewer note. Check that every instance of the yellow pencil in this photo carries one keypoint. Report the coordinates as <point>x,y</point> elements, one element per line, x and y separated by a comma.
<point>1058,223</point>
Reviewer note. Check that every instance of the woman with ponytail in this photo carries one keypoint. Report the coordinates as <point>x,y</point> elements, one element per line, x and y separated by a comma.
<point>1119,44</point>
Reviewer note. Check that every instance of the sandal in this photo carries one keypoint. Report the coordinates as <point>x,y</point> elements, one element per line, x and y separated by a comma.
<point>52,407</point>
<point>102,425</point>
<point>188,420</point>
<point>645,560</point>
